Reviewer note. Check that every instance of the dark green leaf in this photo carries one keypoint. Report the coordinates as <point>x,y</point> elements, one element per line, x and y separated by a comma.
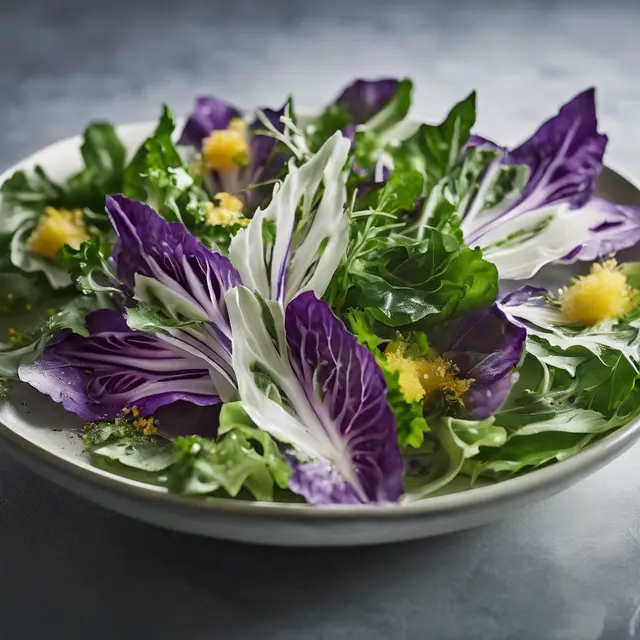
<point>428,282</point>
<point>104,159</point>
<point>333,118</point>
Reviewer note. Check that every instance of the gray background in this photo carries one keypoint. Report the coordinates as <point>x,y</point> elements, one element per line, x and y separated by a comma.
<point>568,569</point>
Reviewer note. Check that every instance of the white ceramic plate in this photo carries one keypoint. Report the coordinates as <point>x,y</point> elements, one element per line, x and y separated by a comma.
<point>41,435</point>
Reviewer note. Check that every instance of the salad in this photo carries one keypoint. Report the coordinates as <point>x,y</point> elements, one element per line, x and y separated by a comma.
<point>263,306</point>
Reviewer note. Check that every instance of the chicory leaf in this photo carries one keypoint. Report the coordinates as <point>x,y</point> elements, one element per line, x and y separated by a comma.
<point>297,242</point>
<point>114,367</point>
<point>172,272</point>
<point>320,391</point>
<point>549,218</point>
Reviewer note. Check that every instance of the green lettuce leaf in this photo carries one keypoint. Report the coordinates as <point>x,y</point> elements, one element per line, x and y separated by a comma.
<point>443,455</point>
<point>404,281</point>
<point>410,421</point>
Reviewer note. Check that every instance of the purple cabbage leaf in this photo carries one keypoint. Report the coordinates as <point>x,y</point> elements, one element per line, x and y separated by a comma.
<point>181,281</point>
<point>304,379</point>
<point>115,367</point>
<point>365,107</point>
<point>552,213</point>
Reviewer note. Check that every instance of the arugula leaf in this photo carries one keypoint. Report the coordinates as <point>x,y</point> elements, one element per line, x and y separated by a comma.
<point>396,195</point>
<point>523,454</point>
<point>157,176</point>
<point>134,171</point>
<point>143,318</point>
<point>104,157</point>
<point>30,191</point>
<point>88,266</point>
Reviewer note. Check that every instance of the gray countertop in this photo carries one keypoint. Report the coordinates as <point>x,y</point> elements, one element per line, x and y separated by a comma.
<point>568,569</point>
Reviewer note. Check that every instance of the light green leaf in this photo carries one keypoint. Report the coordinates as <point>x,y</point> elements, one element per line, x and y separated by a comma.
<point>150,455</point>
<point>57,275</point>
<point>439,463</point>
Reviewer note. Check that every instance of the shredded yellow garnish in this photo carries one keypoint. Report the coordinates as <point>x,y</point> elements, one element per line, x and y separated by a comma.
<point>227,212</point>
<point>56,228</point>
<point>421,378</point>
<point>227,149</point>
<point>603,294</point>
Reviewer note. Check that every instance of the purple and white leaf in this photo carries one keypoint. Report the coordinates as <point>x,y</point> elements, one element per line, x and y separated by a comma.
<point>211,114</point>
<point>549,218</point>
<point>311,236</point>
<point>166,267</point>
<point>314,387</point>
<point>617,228</point>
<point>363,99</point>
<point>114,367</point>
<point>532,308</point>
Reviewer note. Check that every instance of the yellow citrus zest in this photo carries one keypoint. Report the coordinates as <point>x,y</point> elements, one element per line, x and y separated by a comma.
<point>147,424</point>
<point>420,378</point>
<point>603,294</point>
<point>56,228</point>
<point>227,212</point>
<point>407,369</point>
<point>227,149</point>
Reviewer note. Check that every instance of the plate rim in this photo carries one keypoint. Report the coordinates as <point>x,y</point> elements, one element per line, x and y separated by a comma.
<point>581,464</point>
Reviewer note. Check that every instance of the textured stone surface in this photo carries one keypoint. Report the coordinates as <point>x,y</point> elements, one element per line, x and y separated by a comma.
<point>564,570</point>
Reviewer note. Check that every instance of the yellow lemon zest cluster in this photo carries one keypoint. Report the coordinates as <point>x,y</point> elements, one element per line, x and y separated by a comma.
<point>56,228</point>
<point>407,370</point>
<point>148,425</point>
<point>227,149</point>
<point>603,294</point>
<point>420,378</point>
<point>227,212</point>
